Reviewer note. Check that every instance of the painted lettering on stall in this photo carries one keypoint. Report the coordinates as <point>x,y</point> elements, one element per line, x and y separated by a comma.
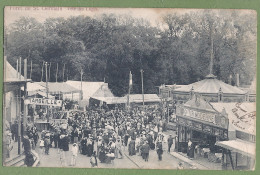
<point>46,102</point>
<point>209,117</point>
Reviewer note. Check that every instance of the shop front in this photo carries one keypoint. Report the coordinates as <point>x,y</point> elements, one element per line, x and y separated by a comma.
<point>199,127</point>
<point>44,110</point>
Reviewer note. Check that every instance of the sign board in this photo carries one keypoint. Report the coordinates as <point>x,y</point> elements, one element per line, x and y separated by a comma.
<point>58,121</point>
<point>44,102</point>
<point>200,110</point>
<point>202,127</point>
<point>164,93</point>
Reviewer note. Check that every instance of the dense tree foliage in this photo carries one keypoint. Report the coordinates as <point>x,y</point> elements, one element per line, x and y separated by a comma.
<point>177,50</point>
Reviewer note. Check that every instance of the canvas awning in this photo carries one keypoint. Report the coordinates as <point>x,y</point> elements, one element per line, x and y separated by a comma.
<point>239,146</point>
<point>59,88</point>
<point>242,116</point>
<point>34,87</point>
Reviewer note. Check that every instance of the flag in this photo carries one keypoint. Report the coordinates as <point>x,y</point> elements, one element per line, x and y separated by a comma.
<point>130,79</point>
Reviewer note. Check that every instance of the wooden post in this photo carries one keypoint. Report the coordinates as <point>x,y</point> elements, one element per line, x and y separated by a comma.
<point>47,92</point>
<point>57,72</point>
<point>231,160</point>
<point>42,70</point>
<point>49,72</point>
<point>18,120</point>
<point>20,68</point>
<point>17,68</point>
<point>25,95</point>
<point>31,70</point>
<point>63,73</point>
<point>81,92</point>
<point>142,85</point>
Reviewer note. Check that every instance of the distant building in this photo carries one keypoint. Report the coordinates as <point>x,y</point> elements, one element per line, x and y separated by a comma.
<point>134,100</point>
<point>13,105</point>
<point>91,89</point>
<point>61,90</point>
<point>13,83</point>
<point>211,89</point>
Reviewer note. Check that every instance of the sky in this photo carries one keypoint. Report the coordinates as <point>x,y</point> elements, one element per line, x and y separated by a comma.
<point>154,15</point>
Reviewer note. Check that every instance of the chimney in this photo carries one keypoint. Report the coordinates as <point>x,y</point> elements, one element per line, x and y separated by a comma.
<point>238,80</point>
<point>230,79</point>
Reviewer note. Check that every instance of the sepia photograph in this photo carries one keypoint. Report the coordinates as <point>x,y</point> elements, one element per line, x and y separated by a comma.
<point>129,88</point>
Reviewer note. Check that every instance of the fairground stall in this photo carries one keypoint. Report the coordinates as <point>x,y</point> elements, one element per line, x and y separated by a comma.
<point>48,109</point>
<point>223,133</point>
<point>199,127</point>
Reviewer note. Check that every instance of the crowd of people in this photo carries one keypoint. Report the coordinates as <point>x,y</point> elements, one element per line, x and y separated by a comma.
<point>103,134</point>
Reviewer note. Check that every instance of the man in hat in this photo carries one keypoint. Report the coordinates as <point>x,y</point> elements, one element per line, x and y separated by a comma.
<point>145,151</point>
<point>26,144</point>
<point>170,142</point>
<point>131,147</point>
<point>159,150</point>
<point>47,144</point>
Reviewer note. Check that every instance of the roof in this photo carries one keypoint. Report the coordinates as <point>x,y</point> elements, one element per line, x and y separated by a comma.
<point>33,87</point>
<point>240,146</point>
<point>112,100</point>
<point>210,85</point>
<point>43,94</point>
<point>134,98</point>
<point>90,89</point>
<point>242,116</point>
<point>103,91</point>
<point>199,103</point>
<point>138,98</point>
<point>59,87</point>
<point>11,74</point>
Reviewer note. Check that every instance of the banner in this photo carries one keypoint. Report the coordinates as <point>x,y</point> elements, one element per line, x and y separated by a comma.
<point>44,102</point>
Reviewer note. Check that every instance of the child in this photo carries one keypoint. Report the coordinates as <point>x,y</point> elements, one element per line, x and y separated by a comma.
<point>74,151</point>
<point>180,166</point>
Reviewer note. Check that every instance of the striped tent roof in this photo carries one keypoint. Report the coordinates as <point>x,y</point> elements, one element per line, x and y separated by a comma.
<point>211,85</point>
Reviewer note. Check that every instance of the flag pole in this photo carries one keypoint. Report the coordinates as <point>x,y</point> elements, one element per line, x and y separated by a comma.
<point>129,90</point>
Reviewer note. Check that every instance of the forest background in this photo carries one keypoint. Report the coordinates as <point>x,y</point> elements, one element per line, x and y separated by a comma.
<point>173,50</point>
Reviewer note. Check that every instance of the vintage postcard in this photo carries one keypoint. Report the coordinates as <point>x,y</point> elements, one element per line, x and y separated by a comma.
<point>129,88</point>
